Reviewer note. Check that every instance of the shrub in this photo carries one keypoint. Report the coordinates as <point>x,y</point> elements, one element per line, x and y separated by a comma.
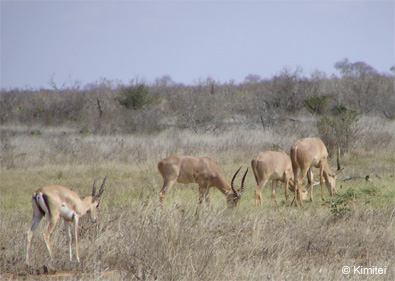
<point>135,96</point>
<point>339,207</point>
<point>338,129</point>
<point>316,104</point>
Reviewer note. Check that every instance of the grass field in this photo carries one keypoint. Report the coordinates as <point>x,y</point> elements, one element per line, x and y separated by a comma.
<point>135,239</point>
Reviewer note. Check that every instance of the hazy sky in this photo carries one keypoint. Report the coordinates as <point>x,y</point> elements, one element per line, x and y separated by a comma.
<point>188,40</point>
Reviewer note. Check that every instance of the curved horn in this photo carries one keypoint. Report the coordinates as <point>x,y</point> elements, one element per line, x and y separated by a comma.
<point>94,188</point>
<point>242,183</point>
<point>101,190</point>
<point>233,179</point>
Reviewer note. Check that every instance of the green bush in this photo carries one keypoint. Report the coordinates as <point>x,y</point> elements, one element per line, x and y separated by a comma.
<point>338,130</point>
<point>339,207</point>
<point>135,96</point>
<point>316,104</point>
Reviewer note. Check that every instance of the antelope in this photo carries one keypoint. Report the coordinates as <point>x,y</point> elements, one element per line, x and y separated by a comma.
<point>58,201</point>
<point>200,170</point>
<point>309,152</point>
<point>274,166</point>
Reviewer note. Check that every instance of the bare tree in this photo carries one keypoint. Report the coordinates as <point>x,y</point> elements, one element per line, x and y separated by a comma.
<point>357,69</point>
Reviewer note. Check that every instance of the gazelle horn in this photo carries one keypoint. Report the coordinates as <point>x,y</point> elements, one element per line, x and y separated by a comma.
<point>242,183</point>
<point>94,187</point>
<point>233,179</point>
<point>101,190</point>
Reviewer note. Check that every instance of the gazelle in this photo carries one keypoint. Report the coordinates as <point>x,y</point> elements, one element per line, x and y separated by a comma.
<point>309,152</point>
<point>274,166</point>
<point>57,201</point>
<point>200,170</point>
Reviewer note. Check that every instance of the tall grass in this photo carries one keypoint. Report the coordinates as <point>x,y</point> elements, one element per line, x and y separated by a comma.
<point>182,242</point>
<point>21,147</point>
<point>136,239</point>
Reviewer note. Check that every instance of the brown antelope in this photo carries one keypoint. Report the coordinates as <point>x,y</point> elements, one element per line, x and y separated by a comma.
<point>274,166</point>
<point>309,152</point>
<point>200,170</point>
<point>58,201</point>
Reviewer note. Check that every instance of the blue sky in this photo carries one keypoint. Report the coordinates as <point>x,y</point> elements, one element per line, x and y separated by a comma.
<point>188,40</point>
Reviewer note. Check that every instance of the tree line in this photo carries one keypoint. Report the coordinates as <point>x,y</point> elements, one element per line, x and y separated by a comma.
<point>109,107</point>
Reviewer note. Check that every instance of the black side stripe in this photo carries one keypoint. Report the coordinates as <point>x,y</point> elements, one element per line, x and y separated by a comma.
<point>38,205</point>
<point>45,197</point>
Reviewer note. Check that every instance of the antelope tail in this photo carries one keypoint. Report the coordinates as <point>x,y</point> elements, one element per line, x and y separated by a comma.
<point>253,165</point>
<point>293,155</point>
<point>41,201</point>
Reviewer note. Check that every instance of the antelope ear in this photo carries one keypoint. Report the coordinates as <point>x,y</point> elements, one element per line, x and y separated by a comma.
<point>338,171</point>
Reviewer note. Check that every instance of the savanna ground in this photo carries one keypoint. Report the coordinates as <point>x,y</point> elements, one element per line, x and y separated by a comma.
<point>72,136</point>
<point>135,239</point>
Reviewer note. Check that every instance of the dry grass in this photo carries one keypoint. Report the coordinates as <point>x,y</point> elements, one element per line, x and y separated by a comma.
<point>135,239</point>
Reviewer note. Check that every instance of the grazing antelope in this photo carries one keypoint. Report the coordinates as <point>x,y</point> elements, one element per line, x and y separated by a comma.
<point>200,170</point>
<point>309,152</point>
<point>274,166</point>
<point>58,201</point>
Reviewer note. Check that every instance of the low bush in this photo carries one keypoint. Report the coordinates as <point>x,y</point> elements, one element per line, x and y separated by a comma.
<point>339,130</point>
<point>135,96</point>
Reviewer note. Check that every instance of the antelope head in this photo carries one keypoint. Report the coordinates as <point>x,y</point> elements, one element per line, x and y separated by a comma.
<point>234,197</point>
<point>95,201</point>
